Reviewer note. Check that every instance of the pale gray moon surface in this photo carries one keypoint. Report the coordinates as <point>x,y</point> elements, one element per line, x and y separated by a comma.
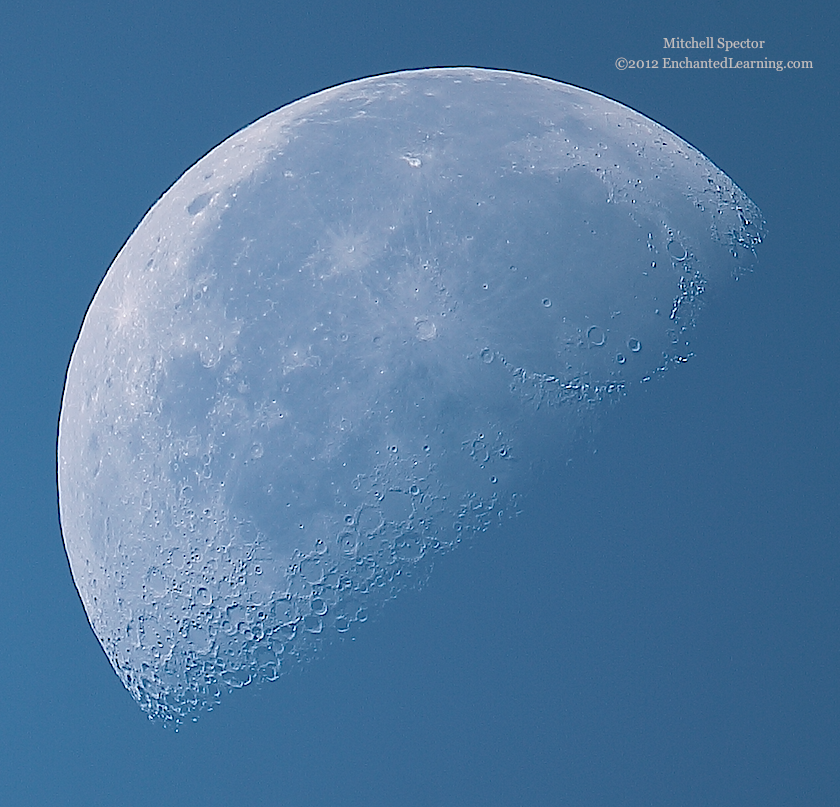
<point>353,334</point>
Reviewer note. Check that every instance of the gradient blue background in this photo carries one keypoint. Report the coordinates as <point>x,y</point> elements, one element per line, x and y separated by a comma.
<point>663,630</point>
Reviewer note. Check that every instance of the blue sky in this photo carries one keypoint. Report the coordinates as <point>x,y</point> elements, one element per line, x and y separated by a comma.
<point>663,630</point>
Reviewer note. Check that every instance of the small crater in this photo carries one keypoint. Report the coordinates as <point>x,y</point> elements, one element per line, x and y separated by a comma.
<point>199,203</point>
<point>426,329</point>
<point>677,251</point>
<point>312,570</point>
<point>369,520</point>
<point>595,336</point>
<point>203,596</point>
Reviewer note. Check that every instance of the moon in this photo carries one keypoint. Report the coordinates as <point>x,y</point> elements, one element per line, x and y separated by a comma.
<point>352,336</point>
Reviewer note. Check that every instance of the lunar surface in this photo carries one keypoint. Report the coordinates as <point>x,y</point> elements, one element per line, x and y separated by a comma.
<point>351,336</point>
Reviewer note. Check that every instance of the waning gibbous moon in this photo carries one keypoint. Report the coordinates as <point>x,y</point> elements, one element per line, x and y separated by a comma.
<point>347,338</point>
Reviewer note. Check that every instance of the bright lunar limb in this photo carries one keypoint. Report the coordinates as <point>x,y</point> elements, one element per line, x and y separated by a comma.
<point>348,337</point>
